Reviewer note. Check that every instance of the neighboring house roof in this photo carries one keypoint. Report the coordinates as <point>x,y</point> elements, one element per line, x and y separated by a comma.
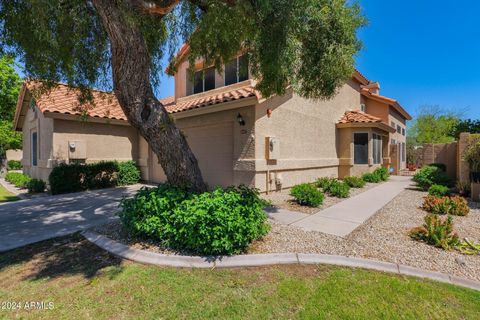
<point>362,119</point>
<point>391,102</point>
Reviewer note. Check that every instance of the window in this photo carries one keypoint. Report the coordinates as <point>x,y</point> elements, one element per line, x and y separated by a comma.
<point>393,141</point>
<point>236,70</point>
<point>362,107</point>
<point>360,145</point>
<point>377,149</point>
<point>34,149</point>
<point>204,80</point>
<point>393,125</point>
<point>403,131</point>
<point>404,152</point>
<point>399,129</point>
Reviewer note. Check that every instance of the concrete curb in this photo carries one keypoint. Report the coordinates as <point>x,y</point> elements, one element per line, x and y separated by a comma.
<point>255,260</point>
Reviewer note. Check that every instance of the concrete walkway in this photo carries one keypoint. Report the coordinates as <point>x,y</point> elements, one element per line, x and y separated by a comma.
<point>341,219</point>
<point>28,221</point>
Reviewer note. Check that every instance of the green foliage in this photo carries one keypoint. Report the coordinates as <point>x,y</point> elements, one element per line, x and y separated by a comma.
<point>437,231</point>
<point>382,173</point>
<point>324,183</point>
<point>434,125</point>
<point>14,165</point>
<point>371,177</point>
<point>428,176</point>
<point>128,173</point>
<point>9,139</point>
<point>468,125</point>
<point>354,182</point>
<point>439,191</point>
<point>18,179</point>
<point>308,44</point>
<point>339,189</point>
<point>10,83</point>
<point>307,194</point>
<point>456,206</point>
<point>472,153</point>
<point>441,166</point>
<point>74,177</point>
<point>36,186</point>
<point>224,221</point>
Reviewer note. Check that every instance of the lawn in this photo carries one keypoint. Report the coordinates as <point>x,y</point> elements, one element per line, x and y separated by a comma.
<point>6,196</point>
<point>85,282</point>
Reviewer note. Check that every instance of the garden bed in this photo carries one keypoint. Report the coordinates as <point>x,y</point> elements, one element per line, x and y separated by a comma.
<point>283,199</point>
<point>383,237</point>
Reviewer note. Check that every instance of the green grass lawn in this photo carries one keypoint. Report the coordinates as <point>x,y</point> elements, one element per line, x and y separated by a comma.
<point>85,282</point>
<point>6,196</point>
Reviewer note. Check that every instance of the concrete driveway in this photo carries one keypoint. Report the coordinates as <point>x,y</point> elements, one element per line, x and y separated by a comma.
<point>28,221</point>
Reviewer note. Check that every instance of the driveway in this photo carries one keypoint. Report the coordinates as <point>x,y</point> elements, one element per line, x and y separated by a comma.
<point>28,221</point>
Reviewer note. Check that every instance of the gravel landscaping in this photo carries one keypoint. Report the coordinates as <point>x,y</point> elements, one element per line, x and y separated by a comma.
<point>283,199</point>
<point>383,237</point>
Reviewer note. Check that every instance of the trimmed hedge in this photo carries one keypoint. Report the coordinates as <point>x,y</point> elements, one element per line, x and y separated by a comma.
<point>223,221</point>
<point>36,186</point>
<point>430,175</point>
<point>14,165</point>
<point>307,195</point>
<point>339,189</point>
<point>354,182</point>
<point>439,191</point>
<point>74,177</point>
<point>371,177</point>
<point>18,179</point>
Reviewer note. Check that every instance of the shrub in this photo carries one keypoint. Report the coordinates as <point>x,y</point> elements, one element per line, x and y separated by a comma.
<point>325,183</point>
<point>441,166</point>
<point>14,165</point>
<point>307,194</point>
<point>339,189</point>
<point>18,179</point>
<point>382,173</point>
<point>74,177</point>
<point>371,177</point>
<point>224,221</point>
<point>128,173</point>
<point>354,182</point>
<point>428,176</point>
<point>36,186</point>
<point>472,154</point>
<point>456,206</point>
<point>436,231</point>
<point>439,191</point>
<point>464,188</point>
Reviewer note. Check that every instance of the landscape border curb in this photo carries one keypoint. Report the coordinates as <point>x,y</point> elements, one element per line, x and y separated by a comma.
<point>256,260</point>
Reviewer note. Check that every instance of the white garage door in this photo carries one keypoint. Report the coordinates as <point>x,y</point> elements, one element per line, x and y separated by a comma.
<point>213,147</point>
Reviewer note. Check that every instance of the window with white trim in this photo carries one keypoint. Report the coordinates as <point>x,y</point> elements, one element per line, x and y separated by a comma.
<point>377,148</point>
<point>204,80</point>
<point>236,70</point>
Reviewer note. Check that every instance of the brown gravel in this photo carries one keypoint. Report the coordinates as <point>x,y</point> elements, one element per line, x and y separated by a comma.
<point>383,237</point>
<point>284,200</point>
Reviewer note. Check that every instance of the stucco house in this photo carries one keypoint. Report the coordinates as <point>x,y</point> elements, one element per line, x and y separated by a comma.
<point>237,136</point>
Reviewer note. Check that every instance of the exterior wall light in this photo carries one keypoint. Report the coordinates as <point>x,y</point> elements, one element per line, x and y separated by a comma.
<point>240,120</point>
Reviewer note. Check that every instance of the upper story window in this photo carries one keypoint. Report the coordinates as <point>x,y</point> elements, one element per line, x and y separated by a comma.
<point>204,80</point>
<point>403,131</point>
<point>236,70</point>
<point>399,129</point>
<point>363,107</point>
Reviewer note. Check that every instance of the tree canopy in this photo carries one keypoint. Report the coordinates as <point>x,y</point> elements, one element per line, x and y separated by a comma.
<point>466,125</point>
<point>434,125</point>
<point>9,87</point>
<point>308,44</point>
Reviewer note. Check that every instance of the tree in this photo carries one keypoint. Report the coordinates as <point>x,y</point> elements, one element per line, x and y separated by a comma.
<point>9,87</point>
<point>307,44</point>
<point>434,125</point>
<point>467,125</point>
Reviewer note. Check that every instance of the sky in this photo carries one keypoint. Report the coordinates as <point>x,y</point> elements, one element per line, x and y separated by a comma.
<point>423,53</point>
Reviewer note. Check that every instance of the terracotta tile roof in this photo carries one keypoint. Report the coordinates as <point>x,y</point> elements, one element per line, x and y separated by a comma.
<point>358,117</point>
<point>213,99</point>
<point>392,102</point>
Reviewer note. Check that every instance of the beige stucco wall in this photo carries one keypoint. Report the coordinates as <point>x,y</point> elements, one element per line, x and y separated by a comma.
<point>14,155</point>
<point>35,121</point>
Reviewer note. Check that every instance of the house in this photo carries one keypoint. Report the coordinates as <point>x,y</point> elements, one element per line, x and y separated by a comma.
<point>237,136</point>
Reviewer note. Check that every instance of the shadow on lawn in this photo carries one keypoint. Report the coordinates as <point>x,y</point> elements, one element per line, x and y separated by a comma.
<point>69,255</point>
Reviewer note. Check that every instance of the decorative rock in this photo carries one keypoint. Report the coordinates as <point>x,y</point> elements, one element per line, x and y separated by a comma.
<point>461,261</point>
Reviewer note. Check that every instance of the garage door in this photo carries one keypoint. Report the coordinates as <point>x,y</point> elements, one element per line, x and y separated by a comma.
<point>213,147</point>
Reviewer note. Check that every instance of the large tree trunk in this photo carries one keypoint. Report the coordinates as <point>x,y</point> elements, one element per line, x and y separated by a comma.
<point>132,87</point>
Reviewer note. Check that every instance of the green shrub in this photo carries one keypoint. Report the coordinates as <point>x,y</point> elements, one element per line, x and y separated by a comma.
<point>456,206</point>
<point>354,182</point>
<point>14,165</point>
<point>18,179</point>
<point>382,173</point>
<point>224,221</point>
<point>428,176</point>
<point>307,194</point>
<point>36,186</point>
<point>74,177</point>
<point>441,166</point>
<point>371,177</point>
<point>439,191</point>
<point>128,173</point>
<point>324,183</point>
<point>437,231</point>
<point>339,189</point>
